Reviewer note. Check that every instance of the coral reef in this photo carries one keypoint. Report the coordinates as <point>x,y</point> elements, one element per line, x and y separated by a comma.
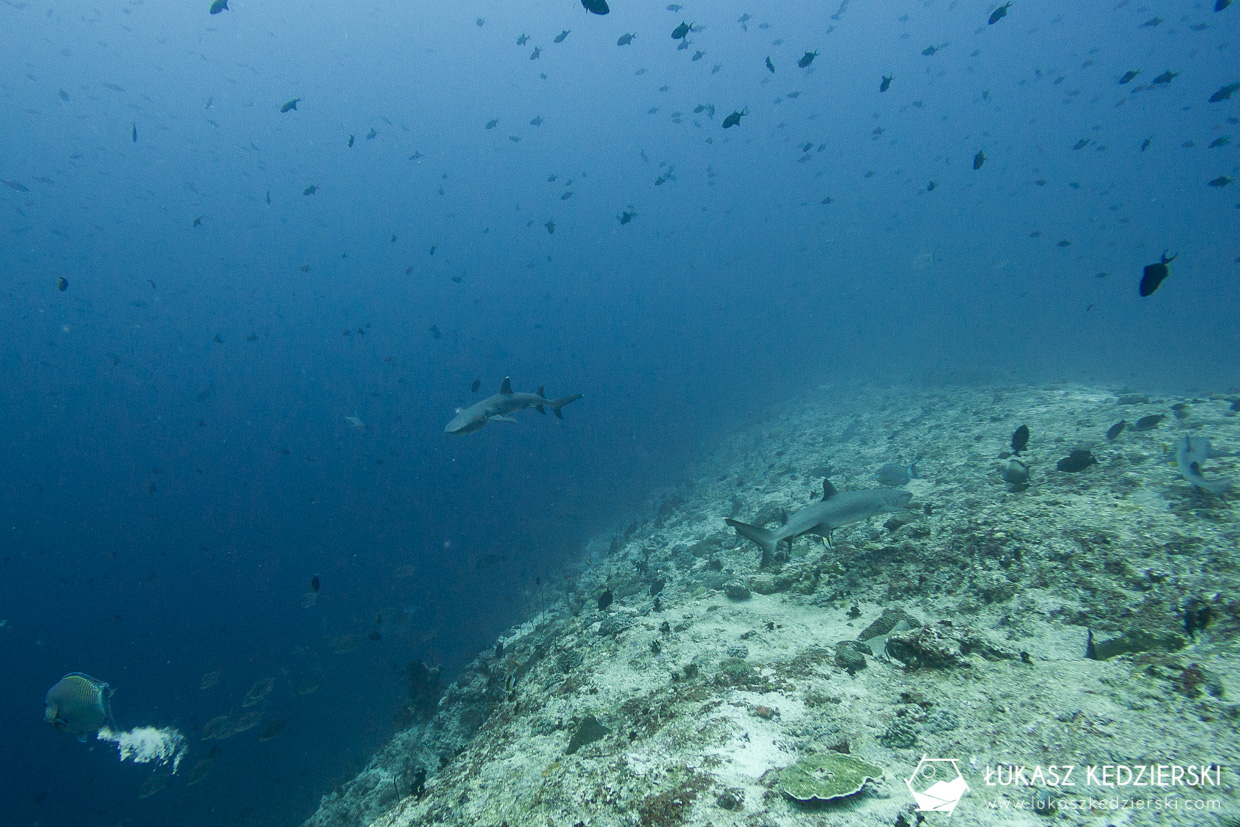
<point>956,629</point>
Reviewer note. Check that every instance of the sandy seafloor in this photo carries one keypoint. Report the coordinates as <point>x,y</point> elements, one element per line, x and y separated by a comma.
<point>706,693</point>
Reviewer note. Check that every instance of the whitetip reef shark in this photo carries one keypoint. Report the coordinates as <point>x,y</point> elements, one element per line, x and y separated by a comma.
<point>501,406</point>
<point>833,511</point>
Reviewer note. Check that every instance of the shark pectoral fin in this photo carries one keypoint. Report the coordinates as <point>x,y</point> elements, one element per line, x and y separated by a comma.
<point>503,419</point>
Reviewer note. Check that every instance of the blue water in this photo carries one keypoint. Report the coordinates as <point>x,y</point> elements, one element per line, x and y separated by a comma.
<point>167,497</point>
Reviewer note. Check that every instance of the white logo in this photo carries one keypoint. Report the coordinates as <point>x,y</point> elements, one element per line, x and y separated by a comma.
<point>937,785</point>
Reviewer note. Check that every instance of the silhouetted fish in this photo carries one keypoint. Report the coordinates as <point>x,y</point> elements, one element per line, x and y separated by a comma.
<point>475,386</point>
<point>1128,76</point>
<point>595,6</point>
<point>998,14</point>
<point>681,31</point>
<point>1020,438</point>
<point>219,6</point>
<point>291,105</point>
<point>770,66</point>
<point>559,38</point>
<point>807,59</point>
<point>979,159</point>
<point>735,118</point>
<point>1154,274</point>
<point>886,84</point>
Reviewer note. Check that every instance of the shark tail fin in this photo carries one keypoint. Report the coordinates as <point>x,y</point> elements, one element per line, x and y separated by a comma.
<point>765,539</point>
<point>556,404</point>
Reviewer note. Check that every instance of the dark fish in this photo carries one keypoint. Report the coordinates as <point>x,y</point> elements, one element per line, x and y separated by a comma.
<point>1020,438</point>
<point>534,54</point>
<point>1196,616</point>
<point>436,332</point>
<point>62,284</point>
<point>626,216</point>
<point>1152,22</point>
<point>523,39</point>
<point>536,120</point>
<point>595,6</point>
<point>886,84</point>
<point>625,39</point>
<point>1081,144</point>
<point>1148,423</point>
<point>930,187</point>
<point>1154,275</point>
<point>134,133</point>
<point>310,190</point>
<point>1221,4</point>
<point>770,66</point>
<point>475,386</point>
<point>604,600</point>
<point>15,185</point>
<point>1165,77</point>
<point>219,6</point>
<point>998,14</point>
<point>1128,76</point>
<point>559,38</point>
<point>272,729</point>
<point>807,59</point>
<point>680,31</point>
<point>1217,142</point>
<point>1145,144</point>
<point>930,50</point>
<point>550,225</point>
<point>350,139</point>
<point>1078,460</point>
<point>290,105</point>
<point>979,159</point>
<point>735,118</point>
<point>494,122</point>
<point>64,96</point>
<point>1220,181</point>
<point>370,136</point>
<point>314,583</point>
<point>1116,429</point>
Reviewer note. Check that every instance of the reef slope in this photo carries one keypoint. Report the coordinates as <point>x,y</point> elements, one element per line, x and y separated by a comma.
<point>680,700</point>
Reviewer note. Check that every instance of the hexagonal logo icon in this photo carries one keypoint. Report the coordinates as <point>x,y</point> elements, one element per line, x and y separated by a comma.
<point>937,785</point>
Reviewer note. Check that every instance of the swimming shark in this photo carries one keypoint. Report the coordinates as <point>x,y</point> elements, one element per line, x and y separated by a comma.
<point>833,511</point>
<point>501,405</point>
<point>1190,452</point>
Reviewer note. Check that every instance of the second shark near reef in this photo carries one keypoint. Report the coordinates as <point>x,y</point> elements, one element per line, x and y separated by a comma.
<point>500,407</point>
<point>833,511</point>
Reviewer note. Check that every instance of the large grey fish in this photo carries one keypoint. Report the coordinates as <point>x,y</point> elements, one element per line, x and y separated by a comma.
<point>500,407</point>
<point>78,705</point>
<point>833,511</point>
<point>1190,452</point>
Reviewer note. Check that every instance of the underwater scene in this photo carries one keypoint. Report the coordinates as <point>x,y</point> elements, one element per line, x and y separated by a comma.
<point>577,413</point>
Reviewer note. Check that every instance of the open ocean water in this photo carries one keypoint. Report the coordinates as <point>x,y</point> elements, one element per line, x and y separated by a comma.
<point>234,328</point>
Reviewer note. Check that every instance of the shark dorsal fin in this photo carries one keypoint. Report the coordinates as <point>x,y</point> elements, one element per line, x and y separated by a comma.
<point>539,392</point>
<point>828,490</point>
<point>506,388</point>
